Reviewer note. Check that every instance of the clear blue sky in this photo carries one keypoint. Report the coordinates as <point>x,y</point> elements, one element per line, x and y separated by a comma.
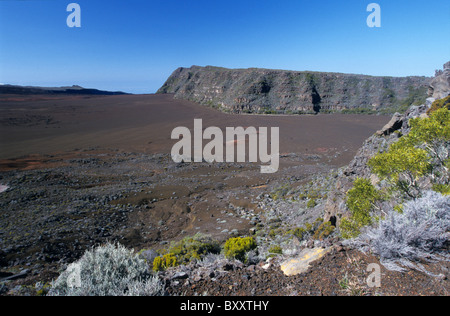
<point>134,45</point>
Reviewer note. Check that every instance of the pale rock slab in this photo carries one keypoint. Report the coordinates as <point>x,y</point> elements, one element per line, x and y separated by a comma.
<point>302,263</point>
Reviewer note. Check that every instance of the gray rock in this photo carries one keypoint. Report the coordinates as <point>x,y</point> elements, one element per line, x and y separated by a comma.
<point>440,86</point>
<point>149,255</point>
<point>180,276</point>
<point>20,275</point>
<point>394,124</point>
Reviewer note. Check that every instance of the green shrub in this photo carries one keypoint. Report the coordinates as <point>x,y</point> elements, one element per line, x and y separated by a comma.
<point>281,192</point>
<point>323,231</point>
<point>193,248</point>
<point>276,250</point>
<point>167,261</point>
<point>349,228</point>
<point>238,247</point>
<point>308,229</point>
<point>444,189</point>
<point>430,132</point>
<point>361,201</point>
<point>423,151</point>
<point>399,208</point>
<point>186,250</point>
<point>403,166</point>
<point>298,232</point>
<point>440,104</point>
<point>311,203</point>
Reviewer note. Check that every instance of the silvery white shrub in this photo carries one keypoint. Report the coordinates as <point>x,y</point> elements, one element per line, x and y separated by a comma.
<point>421,233</point>
<point>109,270</point>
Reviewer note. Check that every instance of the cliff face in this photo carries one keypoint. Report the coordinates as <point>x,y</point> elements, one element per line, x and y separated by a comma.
<point>262,90</point>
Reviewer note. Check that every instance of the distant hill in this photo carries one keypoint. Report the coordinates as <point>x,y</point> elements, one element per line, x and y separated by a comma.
<point>73,90</point>
<point>280,91</point>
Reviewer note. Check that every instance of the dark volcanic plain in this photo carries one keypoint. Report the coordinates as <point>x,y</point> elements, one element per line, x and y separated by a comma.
<point>56,124</point>
<point>83,170</point>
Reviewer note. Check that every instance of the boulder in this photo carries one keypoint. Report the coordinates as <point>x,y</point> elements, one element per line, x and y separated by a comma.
<point>394,124</point>
<point>440,86</point>
<point>302,263</point>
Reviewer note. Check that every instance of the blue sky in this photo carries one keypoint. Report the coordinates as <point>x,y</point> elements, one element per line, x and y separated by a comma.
<point>134,45</point>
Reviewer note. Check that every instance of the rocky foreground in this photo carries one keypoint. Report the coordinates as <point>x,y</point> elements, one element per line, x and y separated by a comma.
<point>342,272</point>
<point>45,238</point>
<point>52,215</point>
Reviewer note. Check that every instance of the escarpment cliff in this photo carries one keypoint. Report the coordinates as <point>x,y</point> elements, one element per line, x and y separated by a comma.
<point>279,91</point>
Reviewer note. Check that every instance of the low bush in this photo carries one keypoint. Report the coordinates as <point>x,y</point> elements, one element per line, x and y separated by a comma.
<point>193,248</point>
<point>185,251</point>
<point>167,261</point>
<point>110,270</point>
<point>440,104</point>
<point>237,248</point>
<point>277,250</point>
<point>361,202</point>
<point>311,203</point>
<point>419,233</point>
<point>442,188</point>
<point>424,151</point>
<point>324,231</point>
<point>403,166</point>
<point>280,192</point>
<point>307,230</point>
